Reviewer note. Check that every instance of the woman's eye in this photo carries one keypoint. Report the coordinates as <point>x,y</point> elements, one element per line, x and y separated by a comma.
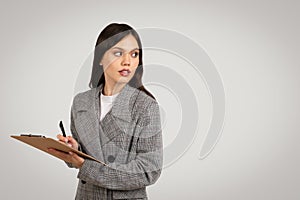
<point>118,53</point>
<point>135,54</point>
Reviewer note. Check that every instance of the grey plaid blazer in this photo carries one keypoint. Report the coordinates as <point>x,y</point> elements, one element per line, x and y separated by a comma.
<point>128,139</point>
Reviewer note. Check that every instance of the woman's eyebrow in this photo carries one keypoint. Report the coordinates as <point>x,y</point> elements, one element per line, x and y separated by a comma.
<point>124,49</point>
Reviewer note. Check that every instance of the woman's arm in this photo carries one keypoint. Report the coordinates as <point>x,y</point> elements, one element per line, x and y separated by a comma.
<point>142,171</point>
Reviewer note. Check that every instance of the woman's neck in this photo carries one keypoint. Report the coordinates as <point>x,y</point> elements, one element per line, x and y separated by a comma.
<point>111,89</point>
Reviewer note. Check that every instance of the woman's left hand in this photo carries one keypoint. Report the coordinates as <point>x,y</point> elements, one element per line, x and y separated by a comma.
<point>70,157</point>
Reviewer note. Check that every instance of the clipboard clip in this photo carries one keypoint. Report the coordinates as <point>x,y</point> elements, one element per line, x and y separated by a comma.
<point>31,135</point>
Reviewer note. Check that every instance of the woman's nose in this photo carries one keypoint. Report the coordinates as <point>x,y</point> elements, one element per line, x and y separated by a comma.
<point>126,60</point>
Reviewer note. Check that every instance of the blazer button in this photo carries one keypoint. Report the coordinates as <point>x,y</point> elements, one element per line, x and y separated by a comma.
<point>83,182</point>
<point>111,158</point>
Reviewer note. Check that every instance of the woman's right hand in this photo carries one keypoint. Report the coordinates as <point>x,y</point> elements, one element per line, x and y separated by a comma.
<point>69,140</point>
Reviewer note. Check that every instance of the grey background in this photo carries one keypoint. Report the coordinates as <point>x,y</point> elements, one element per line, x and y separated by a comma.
<point>254,45</point>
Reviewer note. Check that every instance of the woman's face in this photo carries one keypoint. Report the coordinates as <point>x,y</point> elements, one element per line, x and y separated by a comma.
<point>120,61</point>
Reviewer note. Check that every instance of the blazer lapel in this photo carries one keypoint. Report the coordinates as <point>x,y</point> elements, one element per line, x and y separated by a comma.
<point>118,120</point>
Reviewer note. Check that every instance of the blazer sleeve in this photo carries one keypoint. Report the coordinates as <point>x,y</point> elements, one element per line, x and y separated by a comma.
<point>142,171</point>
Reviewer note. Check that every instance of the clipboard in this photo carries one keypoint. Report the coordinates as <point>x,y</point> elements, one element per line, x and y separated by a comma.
<point>43,143</point>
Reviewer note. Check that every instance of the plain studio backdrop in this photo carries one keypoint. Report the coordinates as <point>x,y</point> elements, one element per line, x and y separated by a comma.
<point>254,45</point>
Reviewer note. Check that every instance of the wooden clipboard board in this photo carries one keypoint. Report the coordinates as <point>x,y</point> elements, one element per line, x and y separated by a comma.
<point>43,143</point>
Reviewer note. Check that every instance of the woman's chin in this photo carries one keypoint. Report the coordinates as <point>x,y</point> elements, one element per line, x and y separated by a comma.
<point>123,80</point>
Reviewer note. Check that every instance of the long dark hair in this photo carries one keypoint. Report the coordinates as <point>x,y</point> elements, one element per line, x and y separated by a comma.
<point>110,36</point>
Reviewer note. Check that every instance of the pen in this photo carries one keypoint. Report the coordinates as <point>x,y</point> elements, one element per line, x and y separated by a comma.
<point>61,126</point>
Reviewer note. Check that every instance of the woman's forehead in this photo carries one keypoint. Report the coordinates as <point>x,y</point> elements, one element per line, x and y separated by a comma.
<point>128,43</point>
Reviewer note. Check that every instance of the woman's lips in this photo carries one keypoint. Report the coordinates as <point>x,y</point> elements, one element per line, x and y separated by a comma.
<point>124,72</point>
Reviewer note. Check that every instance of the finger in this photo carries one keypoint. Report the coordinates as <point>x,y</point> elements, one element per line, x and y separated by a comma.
<point>62,142</point>
<point>61,155</point>
<point>74,155</point>
<point>62,138</point>
<point>57,153</point>
<point>73,142</point>
<point>70,145</point>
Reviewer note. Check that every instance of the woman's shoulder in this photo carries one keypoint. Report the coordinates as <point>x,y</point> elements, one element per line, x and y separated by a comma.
<point>86,93</point>
<point>144,108</point>
<point>84,97</point>
<point>142,101</point>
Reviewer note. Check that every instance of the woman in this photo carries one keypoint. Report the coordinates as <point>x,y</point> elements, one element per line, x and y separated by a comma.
<point>117,121</point>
